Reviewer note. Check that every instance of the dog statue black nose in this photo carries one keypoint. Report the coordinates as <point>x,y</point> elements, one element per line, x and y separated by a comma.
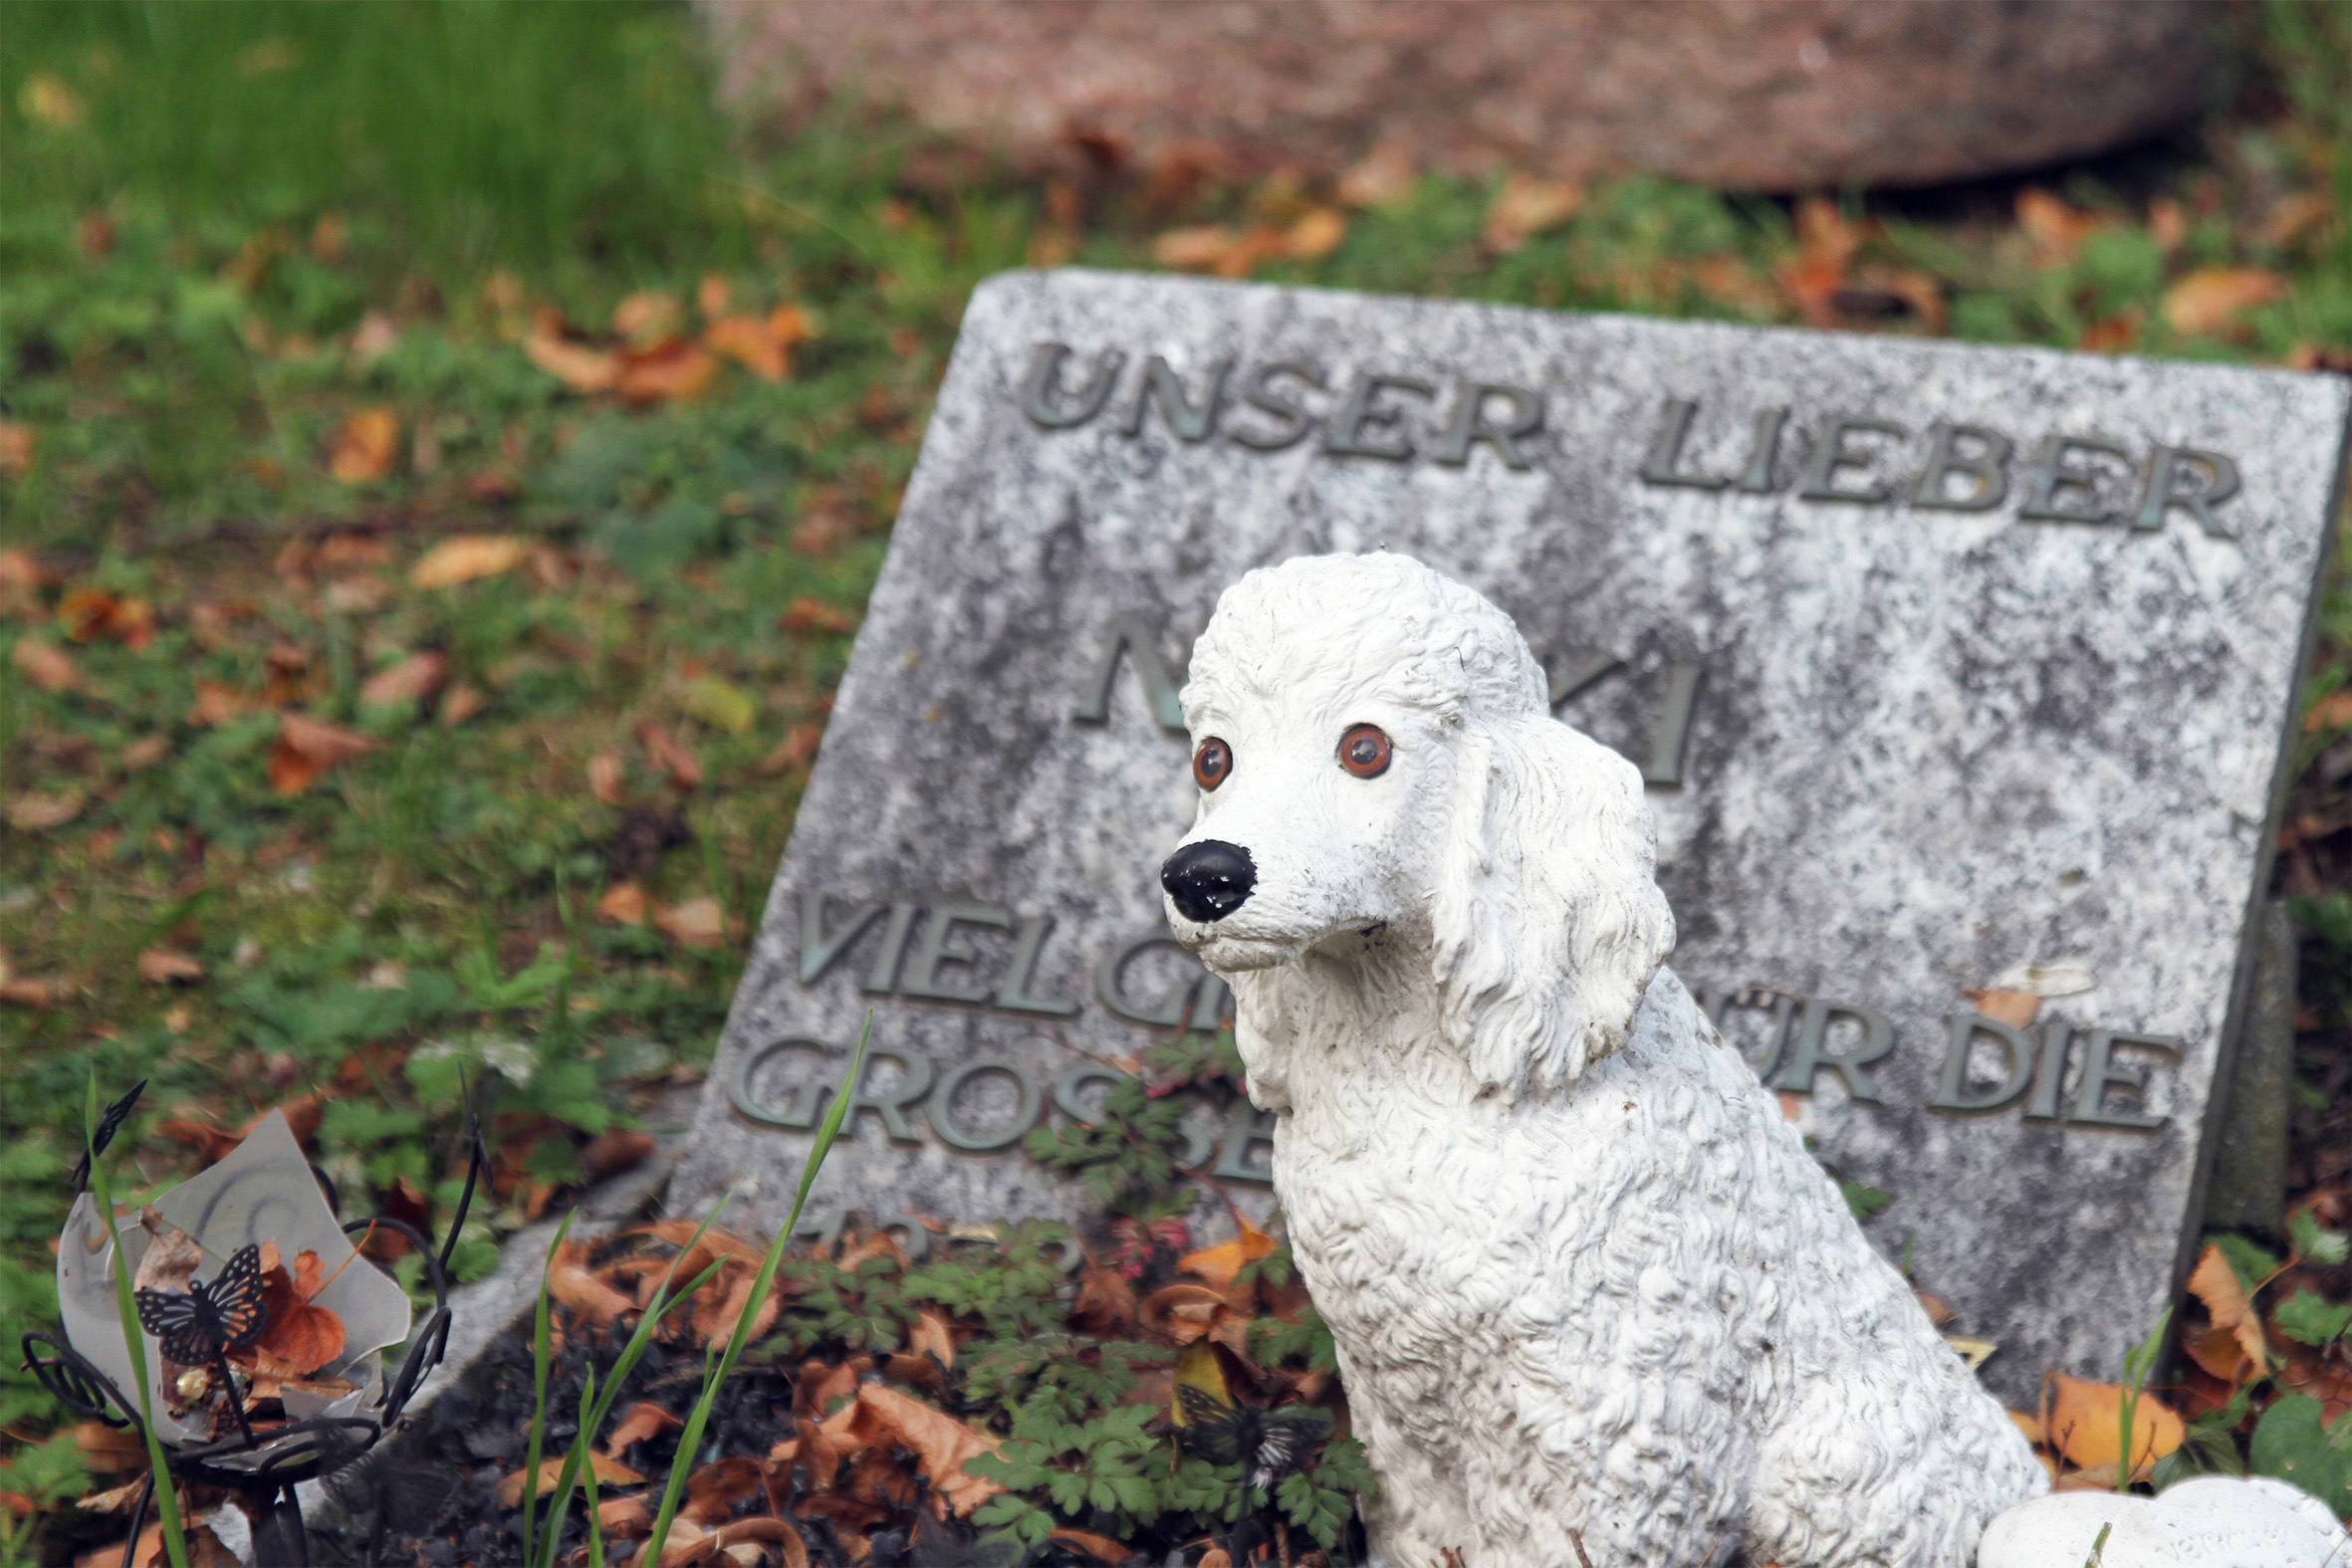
<point>1209,880</point>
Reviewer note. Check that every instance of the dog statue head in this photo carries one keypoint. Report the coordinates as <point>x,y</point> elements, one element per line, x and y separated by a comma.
<point>1379,771</point>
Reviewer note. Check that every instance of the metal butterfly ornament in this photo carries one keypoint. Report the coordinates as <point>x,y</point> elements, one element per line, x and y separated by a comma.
<point>109,1122</point>
<point>209,1319</point>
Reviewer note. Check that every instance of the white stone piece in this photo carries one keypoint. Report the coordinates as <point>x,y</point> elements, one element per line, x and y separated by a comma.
<point>2211,1522</point>
<point>1591,1295</point>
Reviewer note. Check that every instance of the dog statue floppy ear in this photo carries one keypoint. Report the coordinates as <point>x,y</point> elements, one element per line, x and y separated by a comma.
<point>1548,914</point>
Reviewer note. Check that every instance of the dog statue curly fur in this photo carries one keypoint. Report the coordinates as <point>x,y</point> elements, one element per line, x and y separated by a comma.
<point>1586,1284</point>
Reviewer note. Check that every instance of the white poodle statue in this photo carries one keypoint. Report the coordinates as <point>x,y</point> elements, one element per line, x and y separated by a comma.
<point>1593,1300</point>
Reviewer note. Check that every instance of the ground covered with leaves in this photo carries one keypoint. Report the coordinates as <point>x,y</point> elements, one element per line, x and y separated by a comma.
<point>442,462</point>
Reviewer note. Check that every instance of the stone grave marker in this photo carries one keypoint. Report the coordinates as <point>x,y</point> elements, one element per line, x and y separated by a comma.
<point>1951,669</point>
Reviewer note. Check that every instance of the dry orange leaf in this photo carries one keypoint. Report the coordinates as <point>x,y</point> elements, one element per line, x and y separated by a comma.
<point>647,316</point>
<point>603,776</point>
<point>576,366</point>
<point>2086,1422</point>
<point>1526,207</point>
<point>2056,229</point>
<point>610,1472</point>
<point>2217,1284</point>
<point>683,768</point>
<point>2332,712</point>
<point>621,1518</point>
<point>571,1282</point>
<point>411,680</point>
<point>751,343</point>
<point>164,965</point>
<point>35,812</point>
<point>300,1337</point>
<point>18,441</point>
<point>1195,249</point>
<point>1315,235</point>
<point>464,701</point>
<point>806,614</point>
<point>1099,1548</point>
<point>929,1335</point>
<point>306,749</point>
<point>364,446</point>
<point>1383,175</point>
<point>1218,1265</point>
<point>2211,299</point>
<point>697,923</point>
<point>678,372</point>
<point>940,1443</point>
<point>2017,1009</point>
<point>624,904</point>
<point>44,664</point>
<point>643,1420</point>
<point>467,556</point>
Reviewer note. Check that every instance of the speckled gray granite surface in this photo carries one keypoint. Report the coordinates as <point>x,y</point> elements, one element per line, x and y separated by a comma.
<point>1929,748</point>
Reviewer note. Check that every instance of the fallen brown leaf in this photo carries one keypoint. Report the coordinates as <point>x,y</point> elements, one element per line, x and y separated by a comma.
<point>2056,229</point>
<point>1317,234</point>
<point>612,1152</point>
<point>44,664</point>
<point>1387,173</point>
<point>683,768</point>
<point>1526,207</point>
<point>805,616</point>
<point>1099,1548</point>
<point>37,811</point>
<point>467,556</point>
<point>576,366</point>
<point>678,372</point>
<point>372,339</point>
<point>168,965</point>
<point>18,442</point>
<point>713,1490</point>
<point>647,316</point>
<point>2211,299</point>
<point>624,904</point>
<point>2017,1009</point>
<point>1198,249</point>
<point>940,1443</point>
<point>462,702</point>
<point>697,923</point>
<point>574,1283</point>
<point>610,1472</point>
<point>307,749</point>
<point>170,1264</point>
<point>216,704</point>
<point>2332,712</point>
<point>30,991</point>
<point>2217,1284</point>
<point>643,1420</point>
<point>411,680</point>
<point>603,776</point>
<point>2087,1424</point>
<point>364,446</point>
<point>928,1335</point>
<point>621,1518</point>
<point>1218,1265</point>
<point>299,1335</point>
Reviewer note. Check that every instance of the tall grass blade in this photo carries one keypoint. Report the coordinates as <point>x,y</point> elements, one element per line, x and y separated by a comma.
<point>539,1356</point>
<point>577,1456</point>
<point>714,1374</point>
<point>134,1339</point>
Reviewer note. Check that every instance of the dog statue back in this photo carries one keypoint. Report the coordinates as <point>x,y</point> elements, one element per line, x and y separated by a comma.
<point>1593,1298</point>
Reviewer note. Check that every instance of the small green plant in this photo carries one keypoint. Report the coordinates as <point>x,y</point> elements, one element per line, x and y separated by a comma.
<point>2138,1365</point>
<point>716,1367</point>
<point>539,1355</point>
<point>134,1340</point>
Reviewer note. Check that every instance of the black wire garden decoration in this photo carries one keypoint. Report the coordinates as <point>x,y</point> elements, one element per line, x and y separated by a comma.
<point>197,1329</point>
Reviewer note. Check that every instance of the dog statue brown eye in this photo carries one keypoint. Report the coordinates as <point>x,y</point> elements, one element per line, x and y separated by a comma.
<point>1212,762</point>
<point>1363,751</point>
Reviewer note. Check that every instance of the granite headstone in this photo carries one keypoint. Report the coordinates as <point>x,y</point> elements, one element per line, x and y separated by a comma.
<point>1953,669</point>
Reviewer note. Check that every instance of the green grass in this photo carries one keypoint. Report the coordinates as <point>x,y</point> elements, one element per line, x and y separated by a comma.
<point>202,206</point>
